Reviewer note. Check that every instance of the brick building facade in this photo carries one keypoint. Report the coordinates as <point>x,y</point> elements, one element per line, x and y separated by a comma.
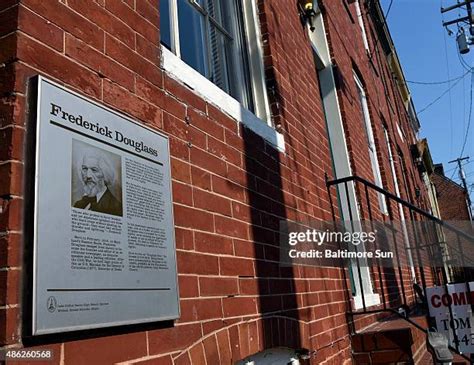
<point>235,173</point>
<point>452,198</point>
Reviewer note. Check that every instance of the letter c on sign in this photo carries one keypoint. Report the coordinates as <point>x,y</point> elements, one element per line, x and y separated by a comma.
<point>438,299</point>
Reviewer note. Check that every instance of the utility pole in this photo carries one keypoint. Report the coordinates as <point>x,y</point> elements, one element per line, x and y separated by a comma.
<point>463,39</point>
<point>467,18</point>
<point>462,176</point>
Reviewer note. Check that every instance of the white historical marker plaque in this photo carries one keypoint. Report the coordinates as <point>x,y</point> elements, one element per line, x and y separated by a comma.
<point>104,249</point>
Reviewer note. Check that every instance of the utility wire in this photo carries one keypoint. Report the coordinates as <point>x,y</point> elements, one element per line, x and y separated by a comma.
<point>469,119</point>
<point>467,163</point>
<point>445,185</point>
<point>451,129</point>
<point>468,69</point>
<point>388,10</point>
<point>464,64</point>
<point>454,173</point>
<point>443,94</point>
<point>437,82</point>
<point>463,110</point>
<point>385,17</point>
<point>451,169</point>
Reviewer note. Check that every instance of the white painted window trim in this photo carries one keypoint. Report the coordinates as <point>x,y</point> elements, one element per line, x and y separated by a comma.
<point>400,133</point>
<point>372,147</point>
<point>406,238</point>
<point>362,26</point>
<point>260,121</point>
<point>336,133</point>
<point>255,61</point>
<point>175,46</point>
<point>185,74</point>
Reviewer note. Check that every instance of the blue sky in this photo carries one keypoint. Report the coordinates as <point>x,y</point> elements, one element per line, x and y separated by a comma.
<point>429,54</point>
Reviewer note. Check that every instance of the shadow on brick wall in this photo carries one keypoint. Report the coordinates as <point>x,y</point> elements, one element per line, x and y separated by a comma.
<point>276,285</point>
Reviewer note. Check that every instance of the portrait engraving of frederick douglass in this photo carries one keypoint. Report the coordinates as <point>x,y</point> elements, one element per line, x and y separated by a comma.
<point>96,179</point>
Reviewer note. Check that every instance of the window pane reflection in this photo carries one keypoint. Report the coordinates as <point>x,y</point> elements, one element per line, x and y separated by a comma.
<point>192,37</point>
<point>165,24</point>
<point>219,67</point>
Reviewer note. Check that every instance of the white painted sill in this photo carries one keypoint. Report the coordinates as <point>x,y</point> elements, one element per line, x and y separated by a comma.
<point>180,71</point>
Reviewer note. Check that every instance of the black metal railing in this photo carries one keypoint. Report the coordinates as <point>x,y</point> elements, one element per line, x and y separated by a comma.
<point>427,250</point>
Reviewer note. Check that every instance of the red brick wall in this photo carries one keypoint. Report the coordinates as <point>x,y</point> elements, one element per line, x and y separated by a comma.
<point>230,188</point>
<point>10,177</point>
<point>451,199</point>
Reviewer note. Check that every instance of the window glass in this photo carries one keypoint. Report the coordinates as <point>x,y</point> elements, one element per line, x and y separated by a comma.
<point>220,47</point>
<point>243,55</point>
<point>219,39</point>
<point>199,2</point>
<point>165,24</point>
<point>192,37</point>
<point>223,46</point>
<point>214,9</point>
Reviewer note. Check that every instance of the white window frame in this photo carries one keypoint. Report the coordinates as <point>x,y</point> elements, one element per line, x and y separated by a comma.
<point>259,121</point>
<point>339,153</point>
<point>360,19</point>
<point>406,238</point>
<point>400,133</point>
<point>371,143</point>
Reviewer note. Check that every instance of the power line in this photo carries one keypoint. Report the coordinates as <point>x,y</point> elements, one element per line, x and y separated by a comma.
<point>459,166</point>
<point>469,119</point>
<point>463,109</point>
<point>454,173</point>
<point>462,175</point>
<point>456,169</point>
<point>437,82</point>
<point>451,129</point>
<point>385,16</point>
<point>464,64</point>
<point>443,94</point>
<point>388,10</point>
<point>445,186</point>
<point>468,68</point>
<point>467,163</point>
<point>463,48</point>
